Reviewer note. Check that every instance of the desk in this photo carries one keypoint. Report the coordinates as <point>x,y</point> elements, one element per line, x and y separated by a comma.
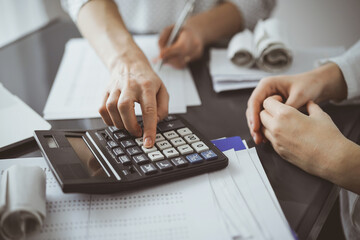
<point>306,200</point>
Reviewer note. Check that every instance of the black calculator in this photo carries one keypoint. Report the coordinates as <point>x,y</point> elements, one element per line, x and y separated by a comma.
<point>110,160</point>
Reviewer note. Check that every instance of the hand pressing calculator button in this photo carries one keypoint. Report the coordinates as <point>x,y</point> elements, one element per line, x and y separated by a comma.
<point>115,161</point>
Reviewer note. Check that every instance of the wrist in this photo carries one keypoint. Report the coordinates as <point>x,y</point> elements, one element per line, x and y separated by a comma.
<point>127,59</point>
<point>332,81</point>
<point>345,162</point>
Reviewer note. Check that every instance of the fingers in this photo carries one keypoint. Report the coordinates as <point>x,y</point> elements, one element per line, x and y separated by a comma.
<point>150,117</point>
<point>274,106</point>
<point>103,111</point>
<point>260,93</point>
<point>266,119</point>
<point>112,109</point>
<point>313,109</point>
<point>164,36</point>
<point>162,99</point>
<point>126,105</point>
<point>297,99</point>
<point>267,133</point>
<point>178,54</point>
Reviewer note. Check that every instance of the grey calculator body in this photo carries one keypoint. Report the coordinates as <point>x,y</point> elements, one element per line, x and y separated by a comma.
<point>110,160</point>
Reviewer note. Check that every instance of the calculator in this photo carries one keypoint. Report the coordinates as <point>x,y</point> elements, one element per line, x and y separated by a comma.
<point>110,160</point>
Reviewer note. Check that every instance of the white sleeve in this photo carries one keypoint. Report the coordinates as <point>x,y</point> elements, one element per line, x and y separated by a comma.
<point>72,7</point>
<point>254,10</point>
<point>349,63</point>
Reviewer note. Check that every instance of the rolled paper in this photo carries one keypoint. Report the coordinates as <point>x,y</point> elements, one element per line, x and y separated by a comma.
<point>241,48</point>
<point>22,201</point>
<point>273,52</point>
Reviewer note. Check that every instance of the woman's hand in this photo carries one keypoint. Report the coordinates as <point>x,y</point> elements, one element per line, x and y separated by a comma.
<point>135,81</point>
<point>311,142</point>
<point>187,47</point>
<point>321,84</point>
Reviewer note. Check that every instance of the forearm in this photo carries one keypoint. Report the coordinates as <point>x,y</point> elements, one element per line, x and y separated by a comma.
<point>222,21</point>
<point>347,168</point>
<point>100,22</point>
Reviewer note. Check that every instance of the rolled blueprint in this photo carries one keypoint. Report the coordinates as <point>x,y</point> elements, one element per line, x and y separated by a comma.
<point>22,201</point>
<point>273,52</point>
<point>241,49</point>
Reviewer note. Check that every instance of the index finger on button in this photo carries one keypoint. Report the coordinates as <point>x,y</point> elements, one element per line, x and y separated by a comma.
<point>150,118</point>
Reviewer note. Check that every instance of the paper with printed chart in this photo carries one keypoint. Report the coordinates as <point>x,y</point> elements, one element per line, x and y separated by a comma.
<point>78,89</point>
<point>183,209</point>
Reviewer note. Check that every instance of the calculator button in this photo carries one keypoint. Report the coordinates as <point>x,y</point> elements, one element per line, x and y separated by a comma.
<point>164,165</point>
<point>121,135</point>
<point>209,155</point>
<point>147,150</point>
<point>112,144</point>
<point>139,141</point>
<point>184,131</point>
<point>170,135</point>
<point>118,151</point>
<point>125,160</point>
<point>141,159</point>
<point>159,138</point>
<point>167,126</point>
<point>171,152</point>
<point>177,142</point>
<point>148,169</point>
<point>156,156</point>
<point>163,145</point>
<point>179,162</point>
<point>133,151</point>
<point>125,172</point>
<point>191,138</point>
<point>113,129</point>
<point>194,158</point>
<point>200,146</point>
<point>170,118</point>
<point>185,149</point>
<point>127,143</point>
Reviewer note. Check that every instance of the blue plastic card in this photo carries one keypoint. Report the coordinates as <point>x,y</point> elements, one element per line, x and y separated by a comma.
<point>229,143</point>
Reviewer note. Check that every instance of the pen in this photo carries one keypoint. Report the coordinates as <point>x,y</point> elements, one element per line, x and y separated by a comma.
<point>188,8</point>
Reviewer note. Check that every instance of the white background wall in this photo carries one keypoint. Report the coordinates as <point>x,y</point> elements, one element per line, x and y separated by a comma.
<point>320,22</point>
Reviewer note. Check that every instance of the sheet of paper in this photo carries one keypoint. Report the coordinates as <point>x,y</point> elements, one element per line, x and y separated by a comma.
<point>78,89</point>
<point>232,201</point>
<point>12,112</point>
<point>268,213</point>
<point>179,210</point>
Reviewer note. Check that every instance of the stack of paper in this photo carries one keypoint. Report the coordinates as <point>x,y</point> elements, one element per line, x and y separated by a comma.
<point>228,76</point>
<point>80,83</point>
<point>246,199</point>
<point>18,120</point>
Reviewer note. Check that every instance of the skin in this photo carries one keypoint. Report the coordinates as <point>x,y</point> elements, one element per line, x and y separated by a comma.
<point>311,142</point>
<point>132,78</point>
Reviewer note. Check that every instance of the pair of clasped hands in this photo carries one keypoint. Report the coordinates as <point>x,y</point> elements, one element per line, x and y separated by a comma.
<point>134,80</point>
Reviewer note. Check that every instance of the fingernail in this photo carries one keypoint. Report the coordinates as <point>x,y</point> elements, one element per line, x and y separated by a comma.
<point>254,137</point>
<point>252,125</point>
<point>148,142</point>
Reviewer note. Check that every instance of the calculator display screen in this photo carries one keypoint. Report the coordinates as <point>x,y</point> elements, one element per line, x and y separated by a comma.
<point>87,158</point>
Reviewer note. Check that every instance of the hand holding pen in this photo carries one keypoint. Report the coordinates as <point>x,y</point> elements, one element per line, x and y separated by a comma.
<point>179,44</point>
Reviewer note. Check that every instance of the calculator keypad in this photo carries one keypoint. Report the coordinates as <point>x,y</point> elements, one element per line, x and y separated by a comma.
<point>176,147</point>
